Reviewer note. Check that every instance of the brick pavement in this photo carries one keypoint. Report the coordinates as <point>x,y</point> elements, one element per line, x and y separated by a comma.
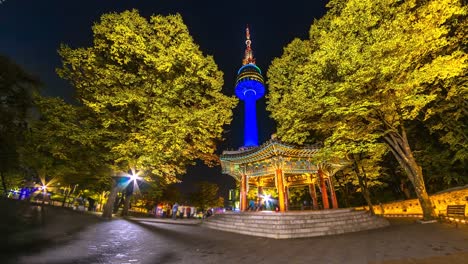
<point>137,241</point>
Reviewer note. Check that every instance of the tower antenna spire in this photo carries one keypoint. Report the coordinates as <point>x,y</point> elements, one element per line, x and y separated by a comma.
<point>248,57</point>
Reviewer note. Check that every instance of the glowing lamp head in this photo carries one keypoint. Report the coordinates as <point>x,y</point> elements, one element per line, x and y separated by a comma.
<point>134,177</point>
<point>266,198</point>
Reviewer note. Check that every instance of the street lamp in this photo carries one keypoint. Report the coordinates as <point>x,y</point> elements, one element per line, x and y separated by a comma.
<point>44,193</point>
<point>134,177</point>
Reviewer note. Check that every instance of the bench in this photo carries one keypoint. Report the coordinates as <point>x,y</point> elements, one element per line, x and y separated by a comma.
<point>457,212</point>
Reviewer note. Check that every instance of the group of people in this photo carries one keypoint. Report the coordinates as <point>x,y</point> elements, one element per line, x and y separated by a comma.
<point>179,213</point>
<point>255,206</point>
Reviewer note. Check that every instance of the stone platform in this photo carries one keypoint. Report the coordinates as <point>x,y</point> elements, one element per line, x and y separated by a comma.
<point>295,224</point>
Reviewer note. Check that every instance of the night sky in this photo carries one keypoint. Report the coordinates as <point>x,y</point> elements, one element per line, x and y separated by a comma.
<point>31,32</point>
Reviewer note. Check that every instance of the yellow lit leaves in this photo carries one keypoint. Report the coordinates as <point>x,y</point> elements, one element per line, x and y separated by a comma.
<point>157,97</point>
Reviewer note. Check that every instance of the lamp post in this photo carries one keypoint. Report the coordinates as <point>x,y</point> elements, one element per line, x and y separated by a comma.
<point>44,193</point>
<point>133,183</point>
<point>118,183</point>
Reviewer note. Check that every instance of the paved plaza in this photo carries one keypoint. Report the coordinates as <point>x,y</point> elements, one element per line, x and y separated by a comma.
<point>146,240</point>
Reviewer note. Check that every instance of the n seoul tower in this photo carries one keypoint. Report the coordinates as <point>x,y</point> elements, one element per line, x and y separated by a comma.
<point>249,88</point>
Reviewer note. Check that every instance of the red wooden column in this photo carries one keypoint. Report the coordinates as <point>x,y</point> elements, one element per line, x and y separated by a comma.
<point>333,194</point>
<point>323,188</point>
<point>243,193</point>
<point>280,187</point>
<point>259,190</point>
<point>286,198</point>
<point>313,195</point>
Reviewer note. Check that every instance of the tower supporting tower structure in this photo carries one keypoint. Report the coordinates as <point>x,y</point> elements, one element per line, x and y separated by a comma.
<point>249,88</point>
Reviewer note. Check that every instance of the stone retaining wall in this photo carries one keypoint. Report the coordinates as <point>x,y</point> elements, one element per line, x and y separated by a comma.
<point>440,201</point>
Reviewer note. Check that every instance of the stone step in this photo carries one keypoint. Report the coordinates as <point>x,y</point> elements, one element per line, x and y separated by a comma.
<point>297,220</point>
<point>296,233</point>
<point>291,226</point>
<point>314,215</point>
<point>296,224</point>
<point>274,228</point>
<point>292,221</point>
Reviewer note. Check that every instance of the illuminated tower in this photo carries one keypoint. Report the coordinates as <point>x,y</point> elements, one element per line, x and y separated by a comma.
<point>249,88</point>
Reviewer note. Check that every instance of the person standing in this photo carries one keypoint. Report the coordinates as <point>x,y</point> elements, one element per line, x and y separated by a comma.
<point>259,205</point>
<point>251,205</point>
<point>175,209</point>
<point>189,212</point>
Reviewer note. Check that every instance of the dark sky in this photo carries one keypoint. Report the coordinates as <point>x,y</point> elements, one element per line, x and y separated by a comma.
<point>31,32</point>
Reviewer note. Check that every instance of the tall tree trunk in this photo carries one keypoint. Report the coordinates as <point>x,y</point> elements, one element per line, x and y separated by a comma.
<point>128,195</point>
<point>400,148</point>
<point>4,185</point>
<point>405,190</point>
<point>118,202</point>
<point>109,206</point>
<point>65,198</point>
<point>126,204</point>
<point>344,189</point>
<point>363,185</point>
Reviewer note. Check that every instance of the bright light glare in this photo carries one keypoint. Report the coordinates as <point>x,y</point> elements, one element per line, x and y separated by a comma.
<point>266,198</point>
<point>134,177</point>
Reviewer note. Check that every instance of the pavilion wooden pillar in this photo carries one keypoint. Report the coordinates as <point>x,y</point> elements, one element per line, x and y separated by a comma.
<point>333,194</point>
<point>313,195</point>
<point>259,190</point>
<point>286,198</point>
<point>280,187</point>
<point>323,188</point>
<point>243,193</point>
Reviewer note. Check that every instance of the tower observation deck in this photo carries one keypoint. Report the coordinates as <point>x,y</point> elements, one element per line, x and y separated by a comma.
<point>249,88</point>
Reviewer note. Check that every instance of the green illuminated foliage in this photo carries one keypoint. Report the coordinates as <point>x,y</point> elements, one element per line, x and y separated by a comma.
<point>154,93</point>
<point>368,69</point>
<point>157,99</point>
<point>206,196</point>
<point>16,89</point>
<point>59,147</point>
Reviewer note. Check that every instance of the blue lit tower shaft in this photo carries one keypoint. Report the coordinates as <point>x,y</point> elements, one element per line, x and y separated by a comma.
<point>250,122</point>
<point>249,88</point>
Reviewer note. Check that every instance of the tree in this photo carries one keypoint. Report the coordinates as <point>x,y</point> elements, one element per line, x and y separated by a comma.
<point>206,196</point>
<point>171,194</point>
<point>16,89</point>
<point>297,196</point>
<point>57,147</point>
<point>369,69</point>
<point>156,97</point>
<point>442,165</point>
<point>361,160</point>
<point>447,115</point>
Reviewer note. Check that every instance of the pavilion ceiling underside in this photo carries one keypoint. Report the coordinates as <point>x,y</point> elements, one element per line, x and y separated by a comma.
<point>267,171</point>
<point>268,150</point>
<point>291,180</point>
<point>268,167</point>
